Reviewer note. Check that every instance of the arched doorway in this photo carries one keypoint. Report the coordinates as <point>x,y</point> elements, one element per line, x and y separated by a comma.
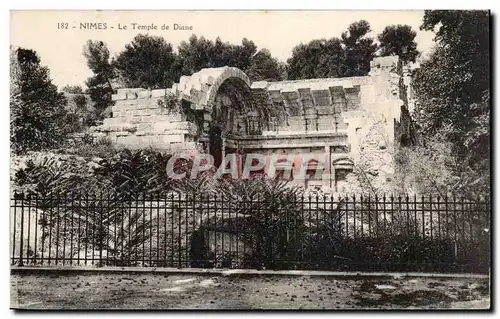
<point>216,145</point>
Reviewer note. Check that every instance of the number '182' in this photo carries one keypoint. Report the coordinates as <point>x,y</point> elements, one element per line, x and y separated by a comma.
<point>62,25</point>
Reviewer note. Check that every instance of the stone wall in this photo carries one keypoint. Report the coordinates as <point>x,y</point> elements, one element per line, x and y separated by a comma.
<point>141,119</point>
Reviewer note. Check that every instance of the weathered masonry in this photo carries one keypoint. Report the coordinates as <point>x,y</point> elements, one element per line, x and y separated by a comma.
<point>352,121</point>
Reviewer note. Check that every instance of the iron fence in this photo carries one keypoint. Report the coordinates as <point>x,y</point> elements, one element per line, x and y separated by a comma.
<point>195,230</point>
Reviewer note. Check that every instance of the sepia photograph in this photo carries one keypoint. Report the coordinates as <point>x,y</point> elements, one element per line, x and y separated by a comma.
<point>250,160</point>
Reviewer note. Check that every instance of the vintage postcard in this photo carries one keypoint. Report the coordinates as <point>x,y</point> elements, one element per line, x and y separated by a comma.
<point>250,160</point>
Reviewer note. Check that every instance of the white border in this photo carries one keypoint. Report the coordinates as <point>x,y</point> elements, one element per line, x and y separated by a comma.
<point>191,5</point>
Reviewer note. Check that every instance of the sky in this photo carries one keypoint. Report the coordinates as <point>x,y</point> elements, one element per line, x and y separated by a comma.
<point>279,31</point>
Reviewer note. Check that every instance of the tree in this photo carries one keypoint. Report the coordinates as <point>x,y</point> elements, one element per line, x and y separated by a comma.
<point>196,54</point>
<point>37,110</point>
<point>452,89</point>
<point>72,89</point>
<point>359,49</point>
<point>199,53</point>
<point>147,62</point>
<point>322,58</point>
<point>399,40</point>
<point>263,67</point>
<point>99,85</point>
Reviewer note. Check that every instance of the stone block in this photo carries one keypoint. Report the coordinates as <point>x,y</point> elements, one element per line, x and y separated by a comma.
<point>145,112</point>
<point>144,94</point>
<point>172,138</point>
<point>123,91</point>
<point>154,103</point>
<point>158,93</point>
<point>164,127</point>
<point>147,118</point>
<point>122,133</point>
<point>142,104</point>
<point>131,95</point>
<point>168,117</point>
<point>119,96</point>
<point>117,108</point>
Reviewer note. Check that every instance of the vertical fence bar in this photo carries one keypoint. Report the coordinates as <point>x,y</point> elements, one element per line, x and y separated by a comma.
<point>186,229</point>
<point>132,228</point>
<point>224,227</point>
<point>113,211</point>
<point>150,206</point>
<point>172,228</point>
<point>247,234</point>
<point>29,229</point>
<point>347,215</point>
<point>415,216</point>
<point>91,223</point>
<point>407,210</point>
<point>392,215</point>
<point>438,199</point>
<point>21,246</point>
<point>179,243</point>
<point>150,232</point>
<point>309,248</point>
<point>361,209</point>
<point>354,212</point>
<point>79,229</point>
<point>325,214</point>
<point>464,241</point>
<point>446,217</point>
<point>471,221</point>
<point>231,241</point>
<point>14,229</point>
<point>58,204</point>
<point>101,228</point>
<point>384,213</point>
<point>455,226</point>
<point>72,228</point>
<point>303,221</point>
<point>423,217</point>
<point>237,225</point>
<point>22,232</point>
<point>65,217</point>
<point>87,233</point>
<point>35,197</point>
<point>196,211</point>
<point>157,229</point>
<point>142,198</point>
<point>205,228</point>
<point>369,217</point>
<point>165,217</point>
<point>116,205</point>
<point>430,216</point>
<point>377,217</point>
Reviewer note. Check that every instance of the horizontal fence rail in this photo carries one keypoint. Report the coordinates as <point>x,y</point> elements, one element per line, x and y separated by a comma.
<point>193,230</point>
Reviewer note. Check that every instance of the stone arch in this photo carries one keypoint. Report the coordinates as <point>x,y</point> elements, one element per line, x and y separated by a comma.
<point>343,162</point>
<point>202,87</point>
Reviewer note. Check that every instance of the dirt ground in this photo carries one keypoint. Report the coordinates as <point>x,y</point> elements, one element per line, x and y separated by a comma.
<point>157,291</point>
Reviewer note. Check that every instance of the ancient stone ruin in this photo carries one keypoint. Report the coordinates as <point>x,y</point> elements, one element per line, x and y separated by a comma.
<point>352,121</point>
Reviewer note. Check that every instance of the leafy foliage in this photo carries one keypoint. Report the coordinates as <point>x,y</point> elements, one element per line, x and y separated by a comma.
<point>399,40</point>
<point>359,48</point>
<point>37,109</point>
<point>146,62</point>
<point>198,53</point>
<point>348,56</point>
<point>263,67</point>
<point>73,89</point>
<point>99,85</point>
<point>452,89</point>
